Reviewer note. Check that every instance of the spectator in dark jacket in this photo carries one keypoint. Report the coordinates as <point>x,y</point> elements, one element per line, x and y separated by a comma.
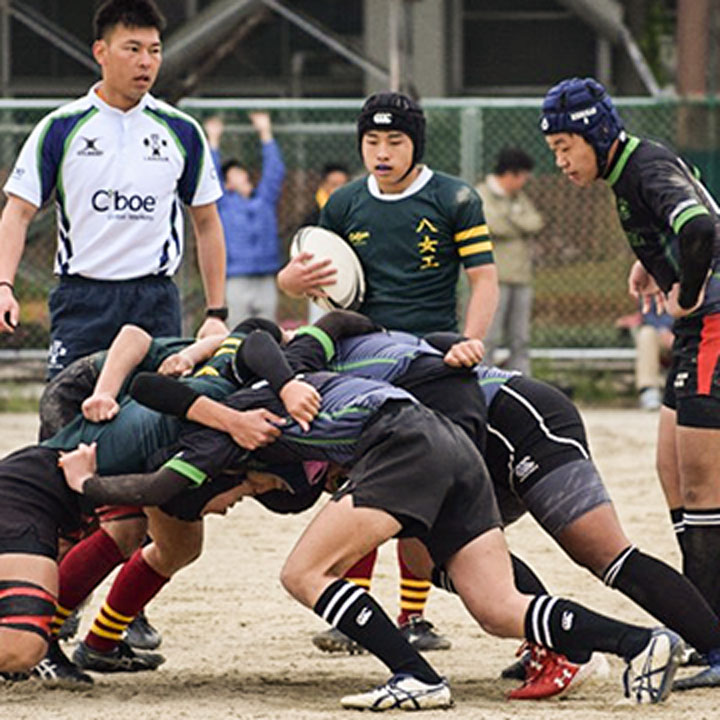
<point>249,218</point>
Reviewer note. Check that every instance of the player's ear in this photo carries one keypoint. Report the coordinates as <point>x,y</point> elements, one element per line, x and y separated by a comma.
<point>99,51</point>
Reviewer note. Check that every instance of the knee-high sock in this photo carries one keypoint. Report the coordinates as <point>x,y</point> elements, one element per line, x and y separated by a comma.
<point>361,572</point>
<point>356,613</point>
<point>666,595</point>
<point>678,522</point>
<point>575,631</point>
<point>414,591</point>
<point>82,569</point>
<point>135,585</point>
<point>701,556</point>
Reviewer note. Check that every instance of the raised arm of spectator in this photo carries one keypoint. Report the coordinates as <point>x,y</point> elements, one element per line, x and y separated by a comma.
<point>273,167</point>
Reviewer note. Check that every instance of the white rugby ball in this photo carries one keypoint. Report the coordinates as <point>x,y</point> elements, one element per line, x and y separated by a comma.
<point>348,291</point>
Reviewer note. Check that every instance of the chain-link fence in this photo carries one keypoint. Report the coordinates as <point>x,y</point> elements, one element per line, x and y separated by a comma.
<point>581,258</point>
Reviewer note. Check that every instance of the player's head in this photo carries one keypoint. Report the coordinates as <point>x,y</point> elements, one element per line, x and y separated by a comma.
<point>391,135</point>
<point>237,178</point>
<point>128,48</point>
<point>577,112</point>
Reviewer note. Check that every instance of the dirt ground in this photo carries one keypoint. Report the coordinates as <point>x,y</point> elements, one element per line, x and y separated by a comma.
<point>238,647</point>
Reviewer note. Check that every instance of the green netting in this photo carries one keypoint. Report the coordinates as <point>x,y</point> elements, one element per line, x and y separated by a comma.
<point>581,259</point>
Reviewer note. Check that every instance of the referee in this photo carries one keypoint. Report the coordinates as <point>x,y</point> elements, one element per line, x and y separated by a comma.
<point>119,163</point>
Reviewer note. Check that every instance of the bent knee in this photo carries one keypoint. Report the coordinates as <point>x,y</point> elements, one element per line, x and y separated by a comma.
<point>128,534</point>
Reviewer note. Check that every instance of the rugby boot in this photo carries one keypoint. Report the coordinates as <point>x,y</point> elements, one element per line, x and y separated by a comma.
<point>122,658</point>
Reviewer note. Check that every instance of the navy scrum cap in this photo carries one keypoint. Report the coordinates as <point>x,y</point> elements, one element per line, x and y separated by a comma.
<point>581,106</point>
<point>393,111</point>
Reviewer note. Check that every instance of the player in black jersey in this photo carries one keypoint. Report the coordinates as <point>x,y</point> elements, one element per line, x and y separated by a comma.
<point>377,432</point>
<point>672,224</point>
<point>539,461</point>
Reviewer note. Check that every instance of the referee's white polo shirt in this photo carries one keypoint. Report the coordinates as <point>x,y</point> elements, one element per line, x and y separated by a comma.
<point>119,179</point>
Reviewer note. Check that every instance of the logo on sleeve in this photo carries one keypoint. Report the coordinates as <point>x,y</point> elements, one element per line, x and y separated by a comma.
<point>90,148</point>
<point>156,146</point>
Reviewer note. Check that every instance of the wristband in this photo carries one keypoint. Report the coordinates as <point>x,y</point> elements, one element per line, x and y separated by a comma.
<point>5,283</point>
<point>221,313</point>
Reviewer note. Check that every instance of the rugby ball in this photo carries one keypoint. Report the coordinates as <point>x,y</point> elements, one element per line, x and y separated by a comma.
<point>348,291</point>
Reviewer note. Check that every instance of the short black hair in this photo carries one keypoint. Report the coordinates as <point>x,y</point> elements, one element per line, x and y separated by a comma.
<point>131,13</point>
<point>334,167</point>
<point>512,159</point>
<point>229,165</point>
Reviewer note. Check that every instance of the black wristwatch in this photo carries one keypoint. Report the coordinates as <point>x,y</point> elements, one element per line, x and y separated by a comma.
<point>221,313</point>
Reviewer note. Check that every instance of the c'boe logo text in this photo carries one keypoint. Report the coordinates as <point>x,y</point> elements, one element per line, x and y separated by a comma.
<point>117,202</point>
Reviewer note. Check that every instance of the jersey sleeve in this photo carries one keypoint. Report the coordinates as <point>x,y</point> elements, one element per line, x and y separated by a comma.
<point>35,172</point>
<point>470,231</point>
<point>205,453</point>
<point>671,196</point>
<point>208,188</point>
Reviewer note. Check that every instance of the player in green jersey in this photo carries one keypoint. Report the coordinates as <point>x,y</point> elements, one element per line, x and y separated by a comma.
<point>413,228</point>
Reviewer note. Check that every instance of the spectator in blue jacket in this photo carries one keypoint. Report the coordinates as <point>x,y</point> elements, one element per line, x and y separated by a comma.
<point>249,217</point>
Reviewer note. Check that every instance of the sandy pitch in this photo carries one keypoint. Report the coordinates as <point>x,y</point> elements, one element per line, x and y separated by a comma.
<point>238,647</point>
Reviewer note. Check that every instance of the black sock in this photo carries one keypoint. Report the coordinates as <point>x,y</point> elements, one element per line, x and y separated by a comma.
<point>667,595</point>
<point>354,612</point>
<point>575,631</point>
<point>526,581</point>
<point>701,544</point>
<point>678,523</point>
<point>439,577</point>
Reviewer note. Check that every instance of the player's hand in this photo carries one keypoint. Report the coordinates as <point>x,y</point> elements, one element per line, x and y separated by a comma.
<point>262,124</point>
<point>177,365</point>
<point>212,326</point>
<point>302,401</point>
<point>9,310</point>
<point>672,306</point>
<point>642,286</point>
<point>78,465</point>
<point>302,277</point>
<point>252,429</point>
<point>465,353</point>
<point>100,407</point>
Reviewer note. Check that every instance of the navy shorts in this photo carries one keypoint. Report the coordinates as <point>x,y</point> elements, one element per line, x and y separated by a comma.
<point>85,315</point>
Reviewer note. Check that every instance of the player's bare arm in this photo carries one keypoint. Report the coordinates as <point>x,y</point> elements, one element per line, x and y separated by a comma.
<point>303,277</point>
<point>126,352</point>
<point>211,261</point>
<point>16,217</point>
<point>484,296</point>
<point>180,364</point>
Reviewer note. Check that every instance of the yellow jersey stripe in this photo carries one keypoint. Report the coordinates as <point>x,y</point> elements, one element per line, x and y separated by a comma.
<point>475,248</point>
<point>473,232</point>
<point>415,594</point>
